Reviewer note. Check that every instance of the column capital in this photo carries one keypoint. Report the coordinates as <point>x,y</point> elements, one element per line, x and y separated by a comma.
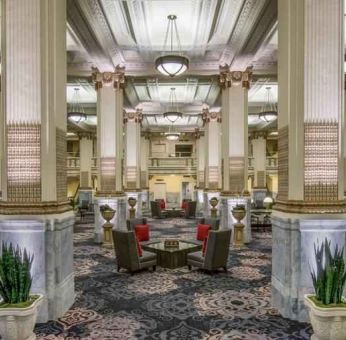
<point>228,78</point>
<point>133,116</point>
<point>85,134</point>
<point>116,78</point>
<point>258,134</point>
<point>208,116</point>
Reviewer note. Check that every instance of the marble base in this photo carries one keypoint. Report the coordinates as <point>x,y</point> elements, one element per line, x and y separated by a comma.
<point>293,254</point>
<point>227,220</point>
<point>120,205</point>
<point>207,196</point>
<point>50,239</point>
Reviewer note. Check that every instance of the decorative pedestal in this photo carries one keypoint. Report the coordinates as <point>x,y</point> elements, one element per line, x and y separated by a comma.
<point>50,239</point>
<point>227,203</point>
<point>238,239</point>
<point>294,236</point>
<point>132,203</point>
<point>213,210</point>
<point>207,196</point>
<point>118,203</point>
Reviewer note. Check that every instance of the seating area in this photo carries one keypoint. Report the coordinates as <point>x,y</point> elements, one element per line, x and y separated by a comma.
<point>159,209</point>
<point>207,250</point>
<point>169,304</point>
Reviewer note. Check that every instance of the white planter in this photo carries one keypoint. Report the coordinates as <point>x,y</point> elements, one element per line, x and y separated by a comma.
<point>327,323</point>
<point>19,323</point>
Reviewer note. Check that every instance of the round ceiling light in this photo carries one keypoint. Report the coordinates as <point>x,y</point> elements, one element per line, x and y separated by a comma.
<point>172,65</point>
<point>172,136</point>
<point>76,116</point>
<point>268,116</point>
<point>76,112</point>
<point>268,111</point>
<point>172,116</point>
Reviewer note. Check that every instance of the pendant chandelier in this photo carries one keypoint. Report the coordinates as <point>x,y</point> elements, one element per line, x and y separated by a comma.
<point>172,114</point>
<point>172,135</point>
<point>268,111</point>
<point>76,112</point>
<point>172,64</point>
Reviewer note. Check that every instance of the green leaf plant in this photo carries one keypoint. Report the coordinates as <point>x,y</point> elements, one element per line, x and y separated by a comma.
<point>330,274</point>
<point>15,274</point>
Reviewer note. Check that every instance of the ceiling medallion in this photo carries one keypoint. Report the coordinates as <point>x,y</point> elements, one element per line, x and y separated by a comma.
<point>172,64</point>
<point>76,112</point>
<point>268,111</point>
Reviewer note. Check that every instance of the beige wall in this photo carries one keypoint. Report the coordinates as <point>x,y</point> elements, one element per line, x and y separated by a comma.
<point>173,182</point>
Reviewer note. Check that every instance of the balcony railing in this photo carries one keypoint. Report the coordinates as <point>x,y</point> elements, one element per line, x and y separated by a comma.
<point>167,165</point>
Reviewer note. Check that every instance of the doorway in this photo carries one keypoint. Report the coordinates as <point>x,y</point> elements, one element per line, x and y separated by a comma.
<point>160,191</point>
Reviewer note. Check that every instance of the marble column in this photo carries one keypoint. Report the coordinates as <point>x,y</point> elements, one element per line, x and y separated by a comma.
<point>310,204</point>
<point>34,210</point>
<point>85,156</point>
<point>200,155</point>
<point>234,86</point>
<point>212,181</point>
<point>144,159</point>
<point>259,190</point>
<point>132,120</point>
<point>110,126</point>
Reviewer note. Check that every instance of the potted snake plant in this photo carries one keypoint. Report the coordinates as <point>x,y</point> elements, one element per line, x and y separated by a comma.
<point>18,308</point>
<point>327,307</point>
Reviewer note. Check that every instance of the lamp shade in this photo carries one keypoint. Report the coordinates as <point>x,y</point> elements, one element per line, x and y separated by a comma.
<point>172,65</point>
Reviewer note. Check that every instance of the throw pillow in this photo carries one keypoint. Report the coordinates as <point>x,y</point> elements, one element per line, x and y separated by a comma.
<point>203,231</point>
<point>142,232</point>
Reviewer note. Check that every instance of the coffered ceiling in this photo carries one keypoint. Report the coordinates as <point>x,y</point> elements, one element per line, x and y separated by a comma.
<point>105,33</point>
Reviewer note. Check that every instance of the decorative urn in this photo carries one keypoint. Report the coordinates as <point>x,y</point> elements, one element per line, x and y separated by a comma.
<point>132,203</point>
<point>213,202</point>
<point>108,214</point>
<point>238,212</point>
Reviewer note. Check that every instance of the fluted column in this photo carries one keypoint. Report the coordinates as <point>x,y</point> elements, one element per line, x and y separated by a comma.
<point>200,155</point>
<point>85,155</point>
<point>234,86</point>
<point>310,205</point>
<point>35,214</point>
<point>258,144</point>
<point>212,174</point>
<point>144,159</point>
<point>109,87</point>
<point>132,120</point>
<point>110,128</point>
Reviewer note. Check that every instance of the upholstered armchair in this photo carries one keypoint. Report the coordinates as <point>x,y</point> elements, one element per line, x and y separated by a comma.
<point>216,252</point>
<point>213,222</point>
<point>156,210</point>
<point>127,254</point>
<point>190,211</point>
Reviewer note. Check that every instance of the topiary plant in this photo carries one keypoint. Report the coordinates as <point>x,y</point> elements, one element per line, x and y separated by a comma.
<point>330,275</point>
<point>15,274</point>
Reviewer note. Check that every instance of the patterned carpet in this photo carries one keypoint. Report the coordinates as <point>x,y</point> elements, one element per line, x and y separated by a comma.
<point>172,304</point>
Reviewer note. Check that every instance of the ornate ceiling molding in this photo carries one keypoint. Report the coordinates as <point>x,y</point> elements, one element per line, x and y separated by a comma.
<point>96,19</point>
<point>249,32</point>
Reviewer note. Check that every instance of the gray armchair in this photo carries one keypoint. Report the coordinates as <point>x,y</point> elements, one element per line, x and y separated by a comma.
<point>190,211</point>
<point>156,210</point>
<point>216,254</point>
<point>214,222</point>
<point>126,252</point>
